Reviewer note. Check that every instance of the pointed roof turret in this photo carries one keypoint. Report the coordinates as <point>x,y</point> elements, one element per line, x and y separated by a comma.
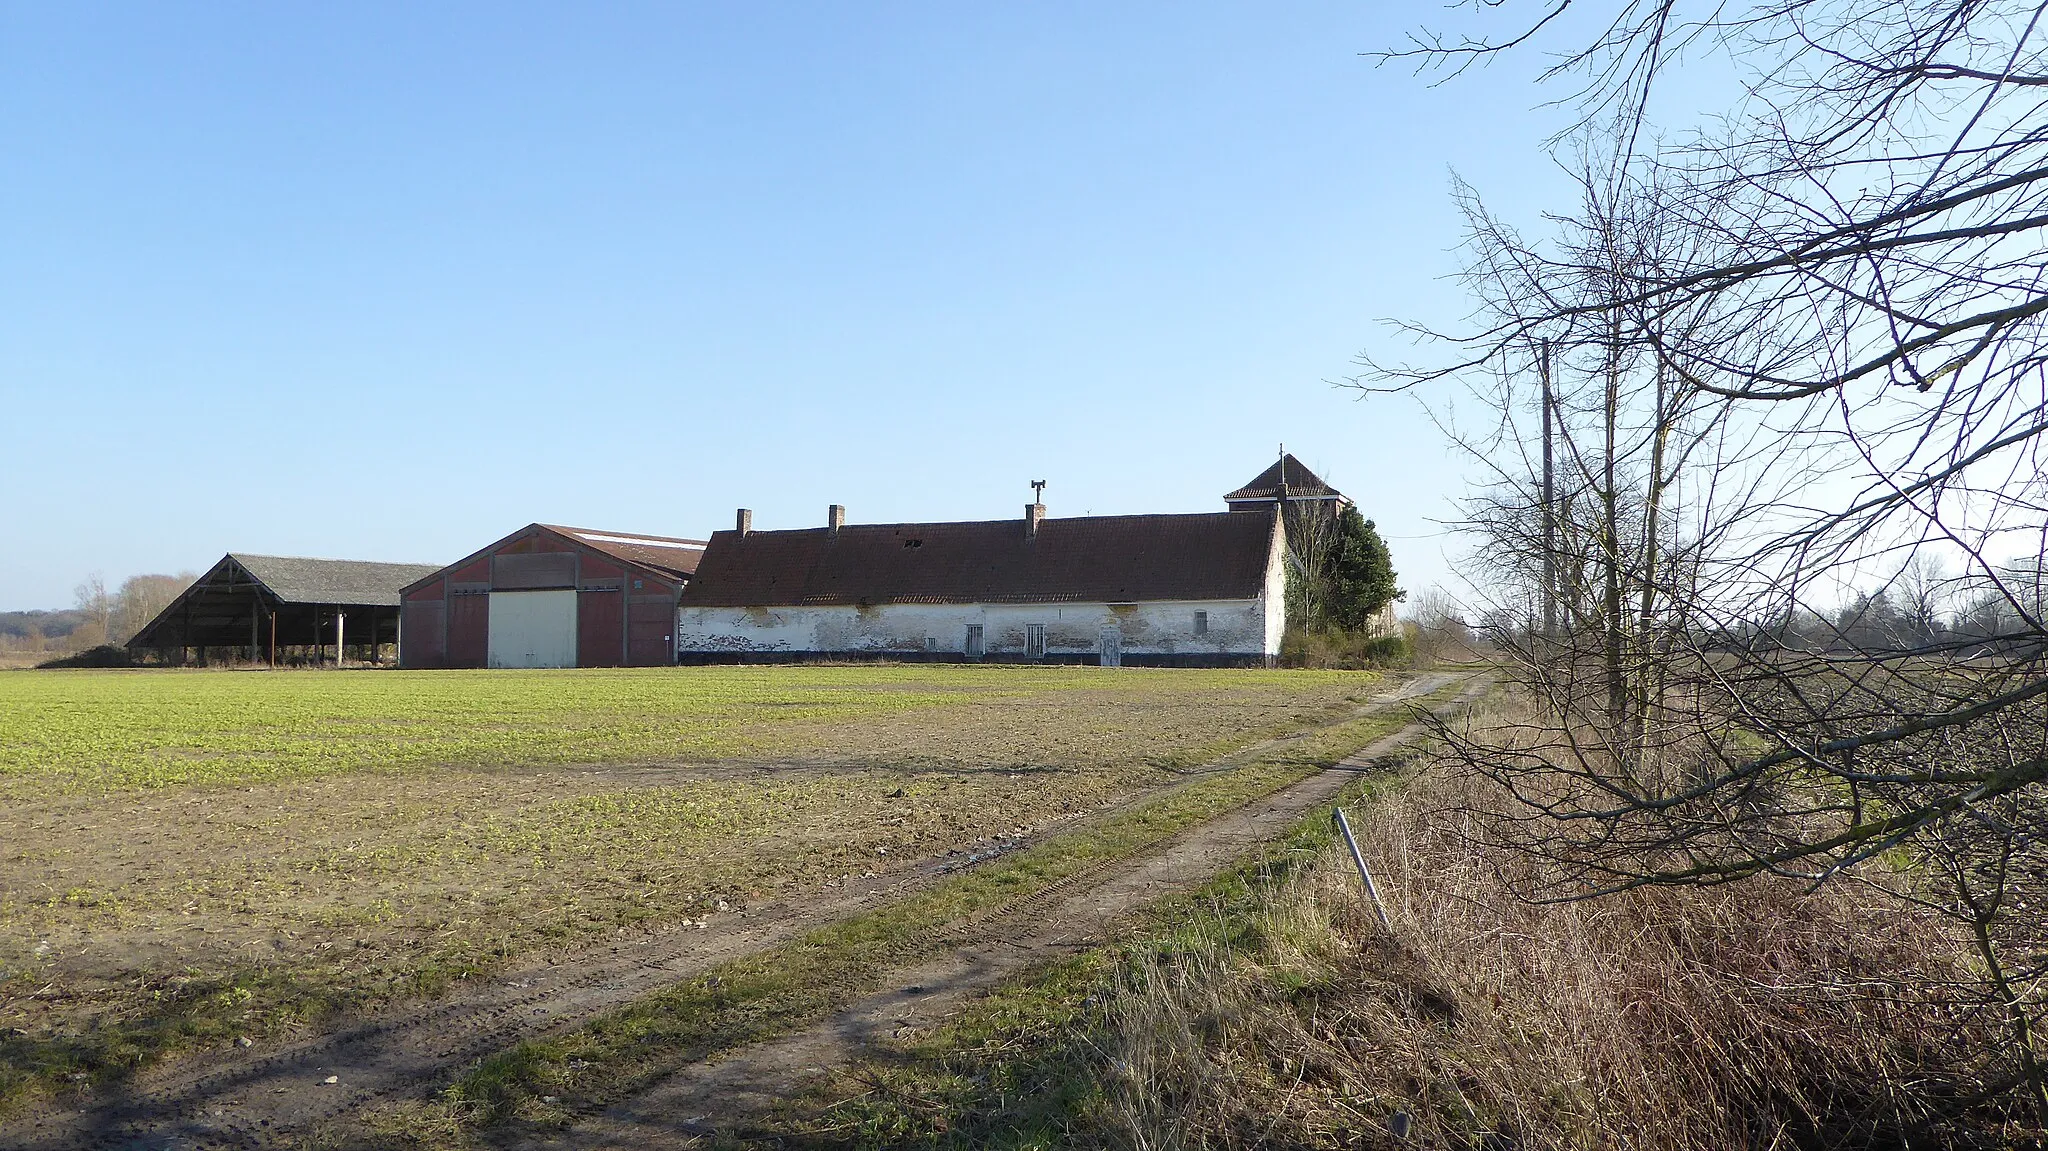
<point>1301,484</point>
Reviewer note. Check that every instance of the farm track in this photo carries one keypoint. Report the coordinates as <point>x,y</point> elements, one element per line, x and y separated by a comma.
<point>728,1095</point>
<point>231,1099</point>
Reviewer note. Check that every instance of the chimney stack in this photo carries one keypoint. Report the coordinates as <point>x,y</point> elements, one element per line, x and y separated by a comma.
<point>835,518</point>
<point>744,522</point>
<point>1034,514</point>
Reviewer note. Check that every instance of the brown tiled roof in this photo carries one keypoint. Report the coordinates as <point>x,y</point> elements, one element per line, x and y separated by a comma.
<point>662,553</point>
<point>1092,559</point>
<point>1300,482</point>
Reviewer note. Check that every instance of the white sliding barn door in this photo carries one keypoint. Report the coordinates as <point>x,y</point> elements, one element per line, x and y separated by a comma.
<point>533,628</point>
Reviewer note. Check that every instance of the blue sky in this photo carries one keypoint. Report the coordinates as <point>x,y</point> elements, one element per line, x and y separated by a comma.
<point>387,282</point>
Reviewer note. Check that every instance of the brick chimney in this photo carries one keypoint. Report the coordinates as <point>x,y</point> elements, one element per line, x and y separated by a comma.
<point>1034,514</point>
<point>743,523</point>
<point>835,518</point>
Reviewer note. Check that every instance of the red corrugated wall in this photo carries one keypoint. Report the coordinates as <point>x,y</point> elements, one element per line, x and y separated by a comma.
<point>422,627</point>
<point>617,623</point>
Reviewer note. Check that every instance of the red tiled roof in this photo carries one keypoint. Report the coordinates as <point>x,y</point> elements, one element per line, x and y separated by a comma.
<point>1092,559</point>
<point>1301,483</point>
<point>662,553</point>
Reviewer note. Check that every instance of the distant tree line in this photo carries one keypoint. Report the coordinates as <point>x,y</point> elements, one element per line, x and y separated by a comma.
<point>97,616</point>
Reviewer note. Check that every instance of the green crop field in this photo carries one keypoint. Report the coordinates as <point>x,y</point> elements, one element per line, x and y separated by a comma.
<point>191,855</point>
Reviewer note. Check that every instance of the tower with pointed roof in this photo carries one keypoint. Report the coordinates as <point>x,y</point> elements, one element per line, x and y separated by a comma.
<point>1287,480</point>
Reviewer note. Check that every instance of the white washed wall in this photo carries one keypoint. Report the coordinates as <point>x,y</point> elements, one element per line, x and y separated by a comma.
<point>1236,627</point>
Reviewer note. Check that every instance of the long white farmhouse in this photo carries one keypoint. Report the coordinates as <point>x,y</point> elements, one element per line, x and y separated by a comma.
<point>1203,590</point>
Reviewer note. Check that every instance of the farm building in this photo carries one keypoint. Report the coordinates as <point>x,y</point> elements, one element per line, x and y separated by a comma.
<point>259,605</point>
<point>1183,590</point>
<point>550,596</point>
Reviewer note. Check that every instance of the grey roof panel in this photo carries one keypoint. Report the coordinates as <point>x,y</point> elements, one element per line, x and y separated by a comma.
<point>297,579</point>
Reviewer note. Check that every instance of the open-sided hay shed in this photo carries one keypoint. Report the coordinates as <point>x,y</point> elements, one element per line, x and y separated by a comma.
<point>257,606</point>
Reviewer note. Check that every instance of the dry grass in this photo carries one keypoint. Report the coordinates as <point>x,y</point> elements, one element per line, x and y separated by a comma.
<point>1753,1016</point>
<point>1274,1012</point>
<point>162,894</point>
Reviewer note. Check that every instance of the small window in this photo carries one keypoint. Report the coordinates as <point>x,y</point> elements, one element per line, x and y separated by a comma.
<point>1034,639</point>
<point>1201,623</point>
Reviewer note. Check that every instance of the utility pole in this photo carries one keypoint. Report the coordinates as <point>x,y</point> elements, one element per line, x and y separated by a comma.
<point>1549,499</point>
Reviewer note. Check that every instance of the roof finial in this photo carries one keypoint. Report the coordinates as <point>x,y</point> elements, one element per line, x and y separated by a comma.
<point>1283,462</point>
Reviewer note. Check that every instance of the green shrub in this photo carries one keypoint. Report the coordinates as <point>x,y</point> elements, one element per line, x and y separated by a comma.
<point>1338,648</point>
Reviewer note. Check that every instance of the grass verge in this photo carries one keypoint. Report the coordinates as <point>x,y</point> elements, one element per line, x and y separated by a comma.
<point>1271,1010</point>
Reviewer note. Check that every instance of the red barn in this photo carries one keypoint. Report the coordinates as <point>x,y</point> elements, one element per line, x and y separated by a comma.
<point>551,596</point>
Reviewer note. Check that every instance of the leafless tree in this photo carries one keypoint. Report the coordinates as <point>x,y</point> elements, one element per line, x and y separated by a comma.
<point>139,600</point>
<point>91,598</point>
<point>1786,354</point>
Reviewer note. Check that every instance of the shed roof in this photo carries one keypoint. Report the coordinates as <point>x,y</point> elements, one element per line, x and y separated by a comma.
<point>1091,559</point>
<point>1301,482</point>
<point>297,579</point>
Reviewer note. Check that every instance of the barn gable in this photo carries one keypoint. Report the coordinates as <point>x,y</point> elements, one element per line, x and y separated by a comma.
<point>552,596</point>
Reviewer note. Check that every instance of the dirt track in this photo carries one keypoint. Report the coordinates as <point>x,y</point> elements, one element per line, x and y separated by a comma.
<point>259,1098</point>
<point>723,1094</point>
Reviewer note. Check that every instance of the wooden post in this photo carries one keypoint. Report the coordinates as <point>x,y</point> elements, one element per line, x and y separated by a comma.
<point>340,621</point>
<point>273,641</point>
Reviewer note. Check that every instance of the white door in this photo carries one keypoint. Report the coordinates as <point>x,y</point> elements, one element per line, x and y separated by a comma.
<point>533,628</point>
<point>1112,646</point>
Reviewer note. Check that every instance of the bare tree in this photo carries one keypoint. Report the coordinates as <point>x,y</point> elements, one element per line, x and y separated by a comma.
<point>91,598</point>
<point>1789,353</point>
<point>140,599</point>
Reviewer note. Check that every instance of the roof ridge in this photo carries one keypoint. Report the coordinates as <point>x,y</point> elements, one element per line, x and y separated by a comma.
<point>1042,524</point>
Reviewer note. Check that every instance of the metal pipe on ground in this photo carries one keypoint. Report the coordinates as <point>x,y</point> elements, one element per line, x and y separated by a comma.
<point>1371,888</point>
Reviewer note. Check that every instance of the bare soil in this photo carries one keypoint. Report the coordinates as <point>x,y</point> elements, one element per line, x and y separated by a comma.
<point>273,1094</point>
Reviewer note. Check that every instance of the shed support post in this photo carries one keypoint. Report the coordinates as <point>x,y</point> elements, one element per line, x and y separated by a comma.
<point>340,619</point>
<point>255,635</point>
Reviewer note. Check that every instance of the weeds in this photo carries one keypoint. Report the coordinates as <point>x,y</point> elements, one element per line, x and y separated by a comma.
<point>1273,1011</point>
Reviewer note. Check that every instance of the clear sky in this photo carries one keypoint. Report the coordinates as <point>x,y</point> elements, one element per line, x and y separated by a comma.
<point>390,281</point>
